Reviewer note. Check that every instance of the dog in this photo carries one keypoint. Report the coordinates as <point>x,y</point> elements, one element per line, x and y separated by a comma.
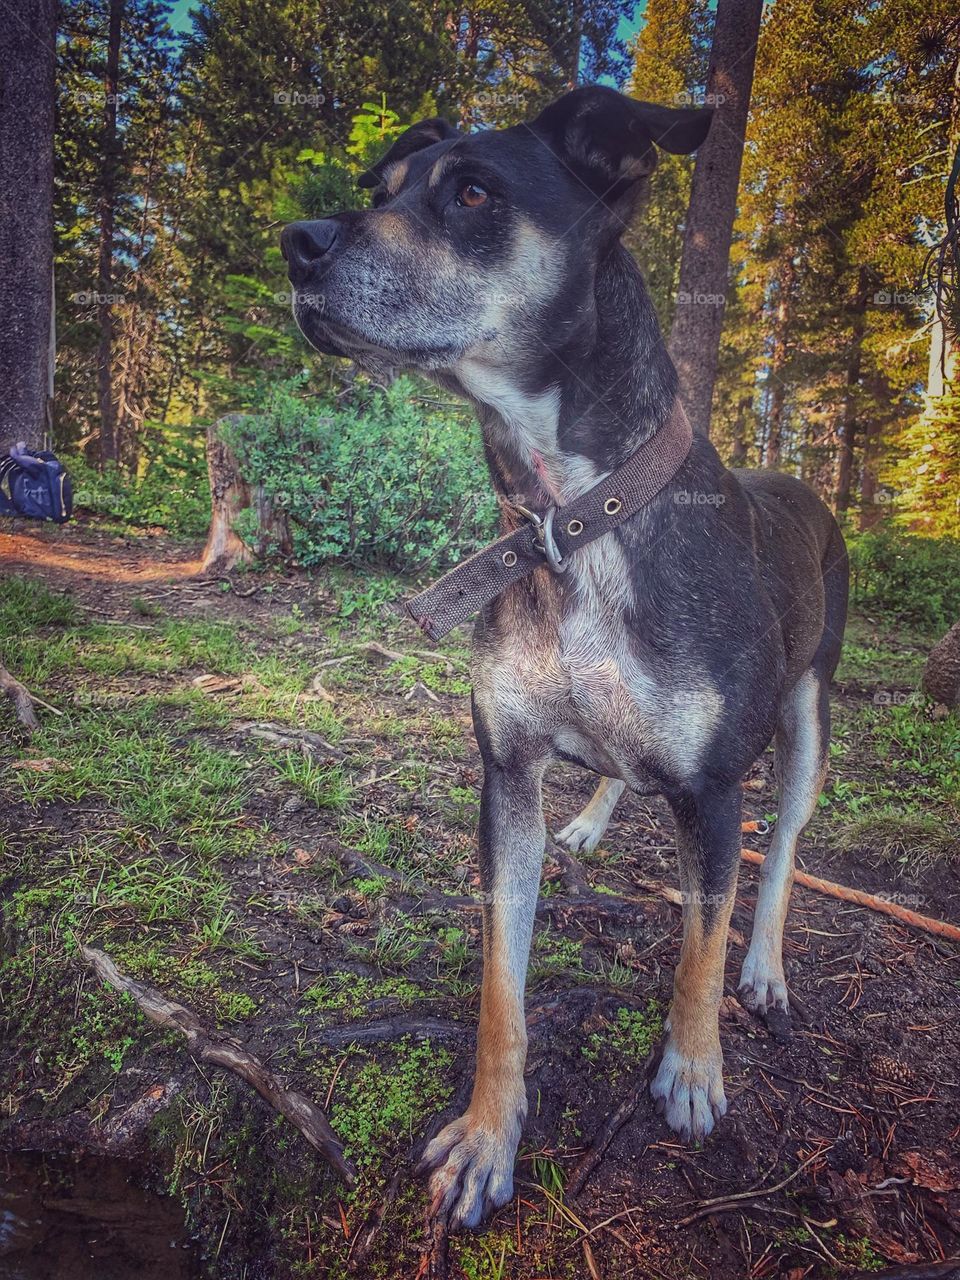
<point>672,650</point>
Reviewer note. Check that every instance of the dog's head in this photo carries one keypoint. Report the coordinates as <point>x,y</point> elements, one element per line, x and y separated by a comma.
<point>476,245</point>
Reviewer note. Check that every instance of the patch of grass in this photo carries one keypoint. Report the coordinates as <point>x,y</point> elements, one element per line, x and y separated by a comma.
<point>486,1259</point>
<point>858,1253</point>
<point>399,942</point>
<point>350,993</point>
<point>395,843</point>
<point>26,604</point>
<point>629,1038</point>
<point>324,784</point>
<point>380,1104</point>
<point>909,839</point>
<point>916,770</point>
<point>555,955</point>
<point>184,977</point>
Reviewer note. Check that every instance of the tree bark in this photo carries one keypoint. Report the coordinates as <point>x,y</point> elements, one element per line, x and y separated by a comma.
<point>108,182</point>
<point>778,358</point>
<point>851,398</point>
<point>230,494</point>
<point>695,337</point>
<point>941,675</point>
<point>27,61</point>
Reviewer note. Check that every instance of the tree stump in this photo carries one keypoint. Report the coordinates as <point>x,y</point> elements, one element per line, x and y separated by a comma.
<point>941,675</point>
<point>230,494</point>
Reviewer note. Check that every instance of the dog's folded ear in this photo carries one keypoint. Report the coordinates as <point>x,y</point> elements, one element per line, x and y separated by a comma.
<point>425,133</point>
<point>610,140</point>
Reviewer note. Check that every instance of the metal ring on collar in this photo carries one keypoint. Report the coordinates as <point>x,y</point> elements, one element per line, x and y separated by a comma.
<point>550,549</point>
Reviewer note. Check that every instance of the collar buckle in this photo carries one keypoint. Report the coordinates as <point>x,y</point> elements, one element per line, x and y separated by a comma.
<point>543,536</point>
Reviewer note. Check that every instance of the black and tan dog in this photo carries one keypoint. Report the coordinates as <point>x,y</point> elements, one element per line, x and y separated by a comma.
<point>672,650</point>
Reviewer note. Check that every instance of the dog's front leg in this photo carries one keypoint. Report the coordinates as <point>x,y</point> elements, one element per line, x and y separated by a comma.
<point>471,1160</point>
<point>688,1085</point>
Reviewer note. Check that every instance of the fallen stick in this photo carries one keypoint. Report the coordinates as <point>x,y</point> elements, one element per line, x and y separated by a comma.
<point>582,1170</point>
<point>221,1051</point>
<point>862,899</point>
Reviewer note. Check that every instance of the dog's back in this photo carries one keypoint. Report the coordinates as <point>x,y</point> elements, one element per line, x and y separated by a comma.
<point>804,563</point>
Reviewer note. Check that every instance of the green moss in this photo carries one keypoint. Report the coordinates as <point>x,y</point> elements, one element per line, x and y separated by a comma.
<point>379,1104</point>
<point>351,993</point>
<point>629,1038</point>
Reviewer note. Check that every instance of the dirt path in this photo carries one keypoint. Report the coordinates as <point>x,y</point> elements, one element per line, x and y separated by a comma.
<point>357,976</point>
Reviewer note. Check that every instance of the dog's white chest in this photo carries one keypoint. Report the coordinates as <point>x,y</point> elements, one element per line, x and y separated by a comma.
<point>582,688</point>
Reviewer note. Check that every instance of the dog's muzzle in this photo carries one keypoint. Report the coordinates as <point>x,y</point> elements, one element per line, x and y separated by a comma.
<point>305,244</point>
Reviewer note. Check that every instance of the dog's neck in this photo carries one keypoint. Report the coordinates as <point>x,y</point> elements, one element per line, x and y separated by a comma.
<point>587,406</point>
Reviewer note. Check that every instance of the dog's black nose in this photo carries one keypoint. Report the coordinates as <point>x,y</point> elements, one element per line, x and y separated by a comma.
<point>304,243</point>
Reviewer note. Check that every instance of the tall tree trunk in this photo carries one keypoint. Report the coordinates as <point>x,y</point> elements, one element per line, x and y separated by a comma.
<point>573,68</point>
<point>851,398</point>
<point>738,454</point>
<point>27,334</point>
<point>871,498</point>
<point>695,337</point>
<point>27,60</point>
<point>778,359</point>
<point>108,191</point>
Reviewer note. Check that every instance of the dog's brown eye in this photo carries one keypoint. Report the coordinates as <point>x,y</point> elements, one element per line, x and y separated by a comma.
<point>472,196</point>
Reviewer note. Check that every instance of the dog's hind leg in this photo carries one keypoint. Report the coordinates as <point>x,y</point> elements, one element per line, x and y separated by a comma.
<point>471,1160</point>
<point>586,830</point>
<point>800,761</point>
<point>688,1085</point>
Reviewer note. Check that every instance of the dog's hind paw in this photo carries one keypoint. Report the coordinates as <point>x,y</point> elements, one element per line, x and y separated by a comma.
<point>762,986</point>
<point>582,835</point>
<point>689,1092</point>
<point>471,1170</point>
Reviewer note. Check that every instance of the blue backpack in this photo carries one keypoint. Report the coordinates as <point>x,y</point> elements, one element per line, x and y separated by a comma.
<point>35,483</point>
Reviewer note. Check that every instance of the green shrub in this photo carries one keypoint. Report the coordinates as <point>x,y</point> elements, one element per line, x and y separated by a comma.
<point>380,481</point>
<point>907,578</point>
<point>171,491</point>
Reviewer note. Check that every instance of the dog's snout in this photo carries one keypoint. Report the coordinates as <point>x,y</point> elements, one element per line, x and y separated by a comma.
<point>304,243</point>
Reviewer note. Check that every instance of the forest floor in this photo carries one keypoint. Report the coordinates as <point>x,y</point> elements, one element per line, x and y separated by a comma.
<point>311,896</point>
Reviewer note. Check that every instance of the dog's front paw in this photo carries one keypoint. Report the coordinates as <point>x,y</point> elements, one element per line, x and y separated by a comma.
<point>582,835</point>
<point>762,984</point>
<point>689,1092</point>
<point>470,1164</point>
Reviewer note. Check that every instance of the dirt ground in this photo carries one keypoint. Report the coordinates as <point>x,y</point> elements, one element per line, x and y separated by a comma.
<point>330,928</point>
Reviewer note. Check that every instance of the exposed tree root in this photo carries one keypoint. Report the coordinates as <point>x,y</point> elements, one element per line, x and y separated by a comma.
<point>305,741</point>
<point>365,1236</point>
<point>360,866</point>
<point>79,1133</point>
<point>21,699</point>
<point>222,1051</point>
<point>582,1170</point>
